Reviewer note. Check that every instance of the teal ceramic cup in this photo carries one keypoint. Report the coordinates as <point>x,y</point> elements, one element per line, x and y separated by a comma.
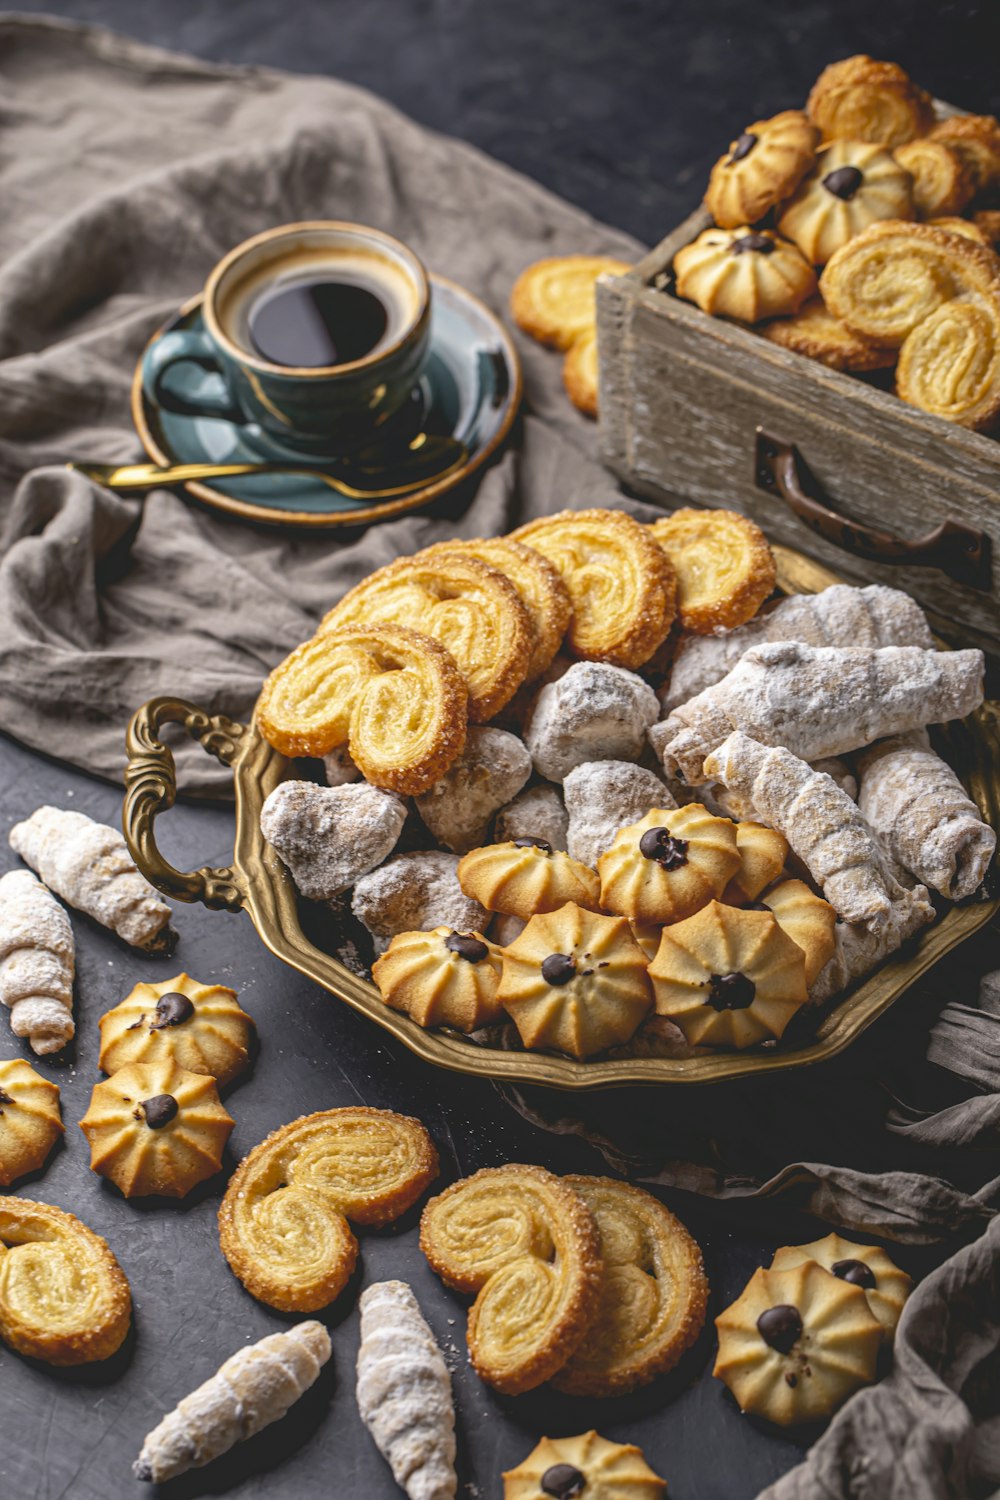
<point>318,408</point>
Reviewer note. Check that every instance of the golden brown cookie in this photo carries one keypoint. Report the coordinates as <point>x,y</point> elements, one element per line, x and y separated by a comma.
<point>30,1121</point>
<point>763,165</point>
<point>964,227</point>
<point>725,568</point>
<point>851,186</point>
<point>526,1246</point>
<point>796,1343</point>
<point>63,1296</point>
<point>394,697</point>
<point>817,334</point>
<point>553,299</point>
<point>441,978</point>
<point>762,852</point>
<point>575,982</point>
<point>464,603</point>
<point>525,876</point>
<point>580,373</point>
<point>868,1266</point>
<point>667,865</point>
<point>155,1128</point>
<point>976,140</point>
<point>987,221</point>
<point>859,99</point>
<point>620,582</point>
<point>807,919</point>
<point>743,273</point>
<point>654,1296</point>
<point>950,364</point>
<point>589,1466</point>
<point>200,1026</point>
<point>942,183</point>
<point>283,1221</point>
<point>728,977</point>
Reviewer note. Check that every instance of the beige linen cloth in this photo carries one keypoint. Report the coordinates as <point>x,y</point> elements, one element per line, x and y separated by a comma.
<point>125,173</point>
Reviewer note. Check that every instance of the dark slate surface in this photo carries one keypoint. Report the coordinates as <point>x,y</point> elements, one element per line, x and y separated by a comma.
<point>622,109</point>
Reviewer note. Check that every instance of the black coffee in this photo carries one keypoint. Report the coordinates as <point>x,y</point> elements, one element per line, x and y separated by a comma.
<point>309,324</point>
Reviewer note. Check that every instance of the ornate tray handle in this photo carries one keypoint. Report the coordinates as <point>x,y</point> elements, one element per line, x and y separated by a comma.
<point>151,787</point>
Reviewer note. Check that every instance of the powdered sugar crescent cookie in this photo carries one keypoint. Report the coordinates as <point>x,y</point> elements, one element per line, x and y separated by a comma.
<point>728,977</point>
<point>654,1296</point>
<point>868,1266</point>
<point>30,1121</point>
<point>441,978</point>
<point>620,582</point>
<point>553,299</point>
<point>580,373</point>
<point>526,1246</point>
<point>393,696</point>
<point>588,1465</point>
<point>950,364</point>
<point>525,876</point>
<point>763,165</point>
<point>283,1221</point>
<point>470,607</point>
<point>743,273</point>
<point>725,568</point>
<point>63,1296</point>
<point>859,99</point>
<point>851,186</point>
<point>816,333</point>
<point>976,140</point>
<point>762,852</point>
<point>200,1026</point>
<point>942,183</point>
<point>667,865</point>
<point>808,920</point>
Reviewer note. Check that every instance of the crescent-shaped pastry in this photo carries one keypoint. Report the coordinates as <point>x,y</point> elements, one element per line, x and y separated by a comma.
<point>809,921</point>
<point>588,1465</point>
<point>725,568</point>
<point>283,1221</point>
<point>538,584</point>
<point>654,1296</point>
<point>527,1247</point>
<point>950,364</point>
<point>466,604</point>
<point>37,954</point>
<point>30,1121</point>
<point>859,99</point>
<point>63,1296</point>
<point>765,163</point>
<point>393,696</point>
<point>976,139</point>
<point>942,183</point>
<point>581,373</point>
<point>441,978</point>
<point>620,582</point>
<point>885,1286</point>
<point>816,333</point>
<point>553,300</point>
<point>526,876</point>
<point>201,1027</point>
<point>851,186</point>
<point>667,865</point>
<point>743,273</point>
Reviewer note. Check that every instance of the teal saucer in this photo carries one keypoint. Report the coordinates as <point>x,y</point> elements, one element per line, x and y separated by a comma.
<point>470,390</point>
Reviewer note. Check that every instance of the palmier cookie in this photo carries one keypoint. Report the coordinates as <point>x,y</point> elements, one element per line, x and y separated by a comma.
<point>967,228</point>
<point>942,183</point>
<point>283,1221</point>
<point>467,605</point>
<point>851,186</point>
<point>393,696</point>
<point>553,299</point>
<point>807,919</point>
<point>728,977</point>
<point>580,373</point>
<point>154,1128</point>
<point>893,276</point>
<point>762,852</point>
<point>743,273</point>
<point>525,876</point>
<point>796,1343</point>
<point>441,978</point>
<point>620,582</point>
<point>527,1247</point>
<point>885,1286</point>
<point>669,864</point>
<point>987,221</point>
<point>539,586</point>
<point>588,1466</point>
<point>725,568</point>
<point>30,1121</point>
<point>574,981</point>
<point>200,1026</point>
<point>763,165</point>
<point>63,1296</point>
<point>950,364</point>
<point>654,1296</point>
<point>817,334</point>
<point>859,99</point>
<point>976,140</point>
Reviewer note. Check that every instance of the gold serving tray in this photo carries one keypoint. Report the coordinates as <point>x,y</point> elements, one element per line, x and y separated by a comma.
<point>259,883</point>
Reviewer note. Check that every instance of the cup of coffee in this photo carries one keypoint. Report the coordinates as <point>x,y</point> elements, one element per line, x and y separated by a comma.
<point>318,332</point>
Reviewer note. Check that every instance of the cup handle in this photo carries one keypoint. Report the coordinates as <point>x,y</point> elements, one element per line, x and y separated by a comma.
<point>189,345</point>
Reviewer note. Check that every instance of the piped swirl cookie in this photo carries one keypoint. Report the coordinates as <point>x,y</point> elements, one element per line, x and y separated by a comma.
<point>620,582</point>
<point>669,864</point>
<point>885,1286</point>
<point>201,1027</point>
<point>762,852</point>
<point>30,1121</point>
<point>725,568</point>
<point>744,273</point>
<point>588,1466</point>
<point>764,164</point>
<point>851,186</point>
<point>441,978</point>
<point>808,920</point>
<point>283,1223</point>
<point>394,697</point>
<point>64,1298</point>
<point>575,982</point>
<point>860,99</point>
<point>465,604</point>
<point>553,300</point>
<point>527,1247</point>
<point>524,876</point>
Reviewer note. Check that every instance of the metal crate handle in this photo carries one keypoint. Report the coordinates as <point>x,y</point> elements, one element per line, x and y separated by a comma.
<point>961,552</point>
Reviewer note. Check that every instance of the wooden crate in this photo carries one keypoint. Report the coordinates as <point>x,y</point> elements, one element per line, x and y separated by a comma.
<point>695,409</point>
